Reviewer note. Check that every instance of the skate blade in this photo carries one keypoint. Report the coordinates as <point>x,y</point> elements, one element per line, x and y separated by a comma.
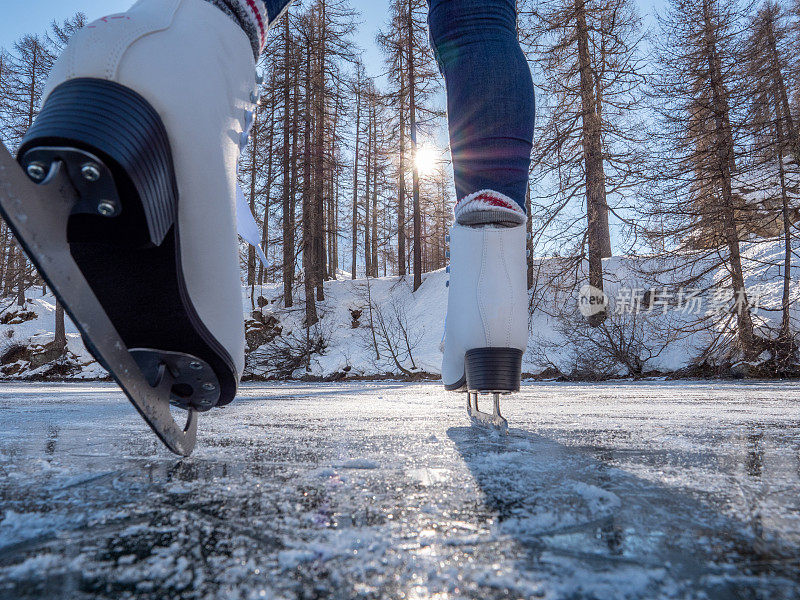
<point>493,422</point>
<point>38,214</point>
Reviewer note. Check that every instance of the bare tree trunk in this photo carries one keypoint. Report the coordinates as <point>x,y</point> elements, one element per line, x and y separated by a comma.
<point>782,111</point>
<point>60,339</point>
<point>294,185</point>
<point>309,228</point>
<point>288,168</point>
<point>785,331</point>
<point>443,224</point>
<point>251,252</point>
<point>593,157</point>
<point>268,195</point>
<point>385,229</point>
<point>529,241</point>
<point>319,158</point>
<point>401,187</point>
<point>374,248</point>
<point>22,260</point>
<point>328,184</point>
<point>605,243</point>
<point>725,157</point>
<point>794,137</point>
<point>21,268</point>
<point>5,251</point>
<point>415,169</point>
<point>354,263</point>
<point>9,278</point>
<point>333,209</point>
<point>368,173</point>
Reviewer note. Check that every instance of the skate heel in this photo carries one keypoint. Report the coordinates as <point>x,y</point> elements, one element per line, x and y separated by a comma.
<point>493,369</point>
<point>117,155</point>
<point>123,233</point>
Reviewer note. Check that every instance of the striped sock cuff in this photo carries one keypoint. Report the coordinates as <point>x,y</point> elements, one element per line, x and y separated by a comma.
<point>488,207</point>
<point>252,16</point>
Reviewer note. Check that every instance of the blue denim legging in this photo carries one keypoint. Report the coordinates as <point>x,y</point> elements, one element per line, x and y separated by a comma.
<point>490,98</point>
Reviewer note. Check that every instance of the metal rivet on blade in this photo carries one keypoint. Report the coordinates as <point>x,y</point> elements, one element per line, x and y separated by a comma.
<point>259,78</point>
<point>254,97</point>
<point>447,253</point>
<point>106,208</point>
<point>209,387</point>
<point>244,139</point>
<point>195,365</point>
<point>447,283</point>
<point>447,270</point>
<point>90,171</point>
<point>37,171</point>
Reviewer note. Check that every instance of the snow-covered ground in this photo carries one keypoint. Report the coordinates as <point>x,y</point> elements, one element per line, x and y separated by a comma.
<point>409,326</point>
<point>366,490</point>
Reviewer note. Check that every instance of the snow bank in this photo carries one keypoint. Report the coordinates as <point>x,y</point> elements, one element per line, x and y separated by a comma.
<point>409,326</point>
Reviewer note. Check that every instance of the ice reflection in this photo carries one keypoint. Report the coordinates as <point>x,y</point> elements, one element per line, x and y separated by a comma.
<point>668,490</point>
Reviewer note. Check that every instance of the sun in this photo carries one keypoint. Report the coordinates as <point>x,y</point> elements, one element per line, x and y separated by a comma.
<point>426,160</point>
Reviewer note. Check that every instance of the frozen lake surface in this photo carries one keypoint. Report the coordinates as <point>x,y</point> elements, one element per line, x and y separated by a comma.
<point>365,490</point>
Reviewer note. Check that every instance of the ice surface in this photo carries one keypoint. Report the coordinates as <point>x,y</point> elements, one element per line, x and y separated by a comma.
<point>362,490</point>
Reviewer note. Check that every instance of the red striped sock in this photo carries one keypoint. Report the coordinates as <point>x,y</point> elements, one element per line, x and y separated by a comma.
<point>488,207</point>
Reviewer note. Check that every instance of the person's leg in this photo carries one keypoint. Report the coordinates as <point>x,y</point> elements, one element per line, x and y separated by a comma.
<point>490,99</point>
<point>490,102</point>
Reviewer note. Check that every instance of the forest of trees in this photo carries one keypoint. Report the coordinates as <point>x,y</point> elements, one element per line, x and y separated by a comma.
<point>681,138</point>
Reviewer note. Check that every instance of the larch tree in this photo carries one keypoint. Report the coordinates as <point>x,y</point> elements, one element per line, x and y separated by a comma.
<point>700,139</point>
<point>323,47</point>
<point>358,95</point>
<point>288,82</point>
<point>415,80</point>
<point>588,146</point>
<point>795,63</point>
<point>772,174</point>
<point>30,63</point>
<point>28,66</point>
<point>5,92</point>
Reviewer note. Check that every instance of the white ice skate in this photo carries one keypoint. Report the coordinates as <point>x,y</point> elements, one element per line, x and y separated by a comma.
<point>487,326</point>
<point>130,214</point>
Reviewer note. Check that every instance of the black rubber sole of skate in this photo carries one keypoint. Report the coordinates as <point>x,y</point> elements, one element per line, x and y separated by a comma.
<point>458,386</point>
<point>131,260</point>
<point>493,369</point>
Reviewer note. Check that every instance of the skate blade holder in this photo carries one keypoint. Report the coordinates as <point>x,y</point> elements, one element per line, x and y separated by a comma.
<point>494,421</point>
<point>37,203</point>
<point>193,385</point>
<point>92,180</point>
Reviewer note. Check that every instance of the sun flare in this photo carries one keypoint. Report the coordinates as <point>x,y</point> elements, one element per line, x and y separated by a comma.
<point>426,160</point>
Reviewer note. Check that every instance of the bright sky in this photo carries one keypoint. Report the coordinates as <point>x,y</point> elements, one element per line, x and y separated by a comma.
<point>19,17</point>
